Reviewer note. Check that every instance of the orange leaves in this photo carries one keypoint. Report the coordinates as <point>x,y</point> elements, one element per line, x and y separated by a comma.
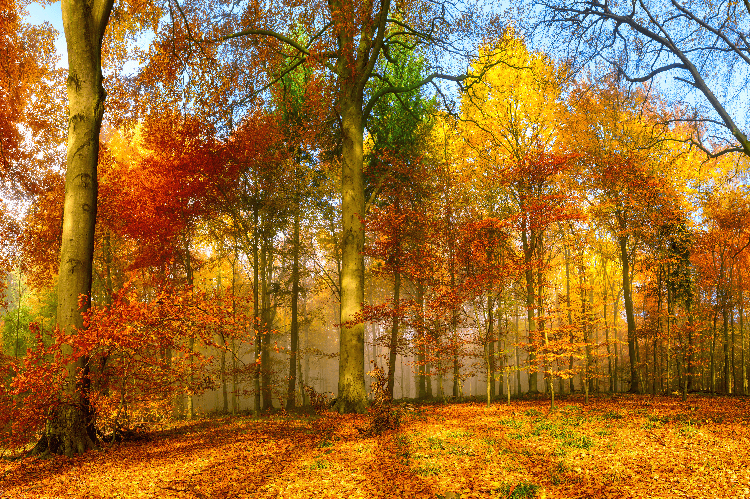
<point>623,447</point>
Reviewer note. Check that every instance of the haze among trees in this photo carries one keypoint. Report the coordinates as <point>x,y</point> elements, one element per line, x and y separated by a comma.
<point>254,207</point>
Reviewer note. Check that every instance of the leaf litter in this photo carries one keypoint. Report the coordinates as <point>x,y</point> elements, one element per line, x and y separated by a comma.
<point>622,446</point>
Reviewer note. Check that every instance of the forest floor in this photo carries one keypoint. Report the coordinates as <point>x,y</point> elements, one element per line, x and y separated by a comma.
<point>623,446</point>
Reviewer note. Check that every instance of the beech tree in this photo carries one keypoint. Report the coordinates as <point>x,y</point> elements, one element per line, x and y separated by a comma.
<point>703,46</point>
<point>348,39</point>
<point>70,428</point>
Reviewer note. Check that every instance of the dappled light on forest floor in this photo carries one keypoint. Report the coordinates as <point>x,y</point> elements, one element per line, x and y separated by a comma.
<point>625,446</point>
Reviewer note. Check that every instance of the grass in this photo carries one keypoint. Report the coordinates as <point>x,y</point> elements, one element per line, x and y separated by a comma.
<point>653,447</point>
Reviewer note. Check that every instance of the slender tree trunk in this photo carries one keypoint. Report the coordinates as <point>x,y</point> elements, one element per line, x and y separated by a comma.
<point>518,357</point>
<point>487,354</point>
<point>223,356</point>
<point>570,313</point>
<point>256,313</point>
<point>712,369</point>
<point>734,340</point>
<point>305,396</point>
<point>743,367</point>
<point>628,297</point>
<point>617,339</point>
<point>606,339</point>
<point>585,377</point>
<point>690,367</point>
<point>393,344</point>
<point>294,340</point>
<point>667,350</point>
<point>190,413</point>
<point>528,251</point>
<point>235,395</point>
<point>421,342</point>
<point>658,328</point>
<point>266,264</point>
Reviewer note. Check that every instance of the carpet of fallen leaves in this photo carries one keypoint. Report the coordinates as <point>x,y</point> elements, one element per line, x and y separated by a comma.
<point>626,446</point>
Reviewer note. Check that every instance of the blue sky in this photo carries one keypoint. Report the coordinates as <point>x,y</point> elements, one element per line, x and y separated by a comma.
<point>39,13</point>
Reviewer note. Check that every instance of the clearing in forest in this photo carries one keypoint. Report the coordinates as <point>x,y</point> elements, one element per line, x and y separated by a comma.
<point>625,446</point>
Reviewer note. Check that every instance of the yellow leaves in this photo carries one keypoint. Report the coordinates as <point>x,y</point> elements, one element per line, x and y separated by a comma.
<point>515,107</point>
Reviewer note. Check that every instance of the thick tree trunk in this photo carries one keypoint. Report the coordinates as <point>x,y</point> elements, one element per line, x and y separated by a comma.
<point>352,396</point>
<point>69,429</point>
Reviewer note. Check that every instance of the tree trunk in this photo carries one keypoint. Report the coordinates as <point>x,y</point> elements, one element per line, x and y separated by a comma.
<point>628,298</point>
<point>256,313</point>
<point>223,358</point>
<point>266,264</point>
<point>489,351</point>
<point>294,333</point>
<point>421,343</point>
<point>352,396</point>
<point>570,313</point>
<point>606,339</point>
<point>725,309</point>
<point>528,251</point>
<point>235,409</point>
<point>393,344</point>
<point>585,377</point>
<point>190,413</point>
<point>743,376</point>
<point>518,356</point>
<point>69,429</point>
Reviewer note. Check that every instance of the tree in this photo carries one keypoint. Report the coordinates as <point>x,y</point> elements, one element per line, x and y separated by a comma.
<point>349,38</point>
<point>70,428</point>
<point>32,108</point>
<point>511,131</point>
<point>646,39</point>
<point>398,131</point>
<point>622,143</point>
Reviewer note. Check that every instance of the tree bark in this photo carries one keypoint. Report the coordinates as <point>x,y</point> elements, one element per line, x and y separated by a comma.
<point>69,429</point>
<point>628,298</point>
<point>528,252</point>
<point>352,395</point>
<point>570,313</point>
<point>294,333</point>
<point>393,344</point>
<point>266,265</point>
<point>421,343</point>
<point>256,314</point>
